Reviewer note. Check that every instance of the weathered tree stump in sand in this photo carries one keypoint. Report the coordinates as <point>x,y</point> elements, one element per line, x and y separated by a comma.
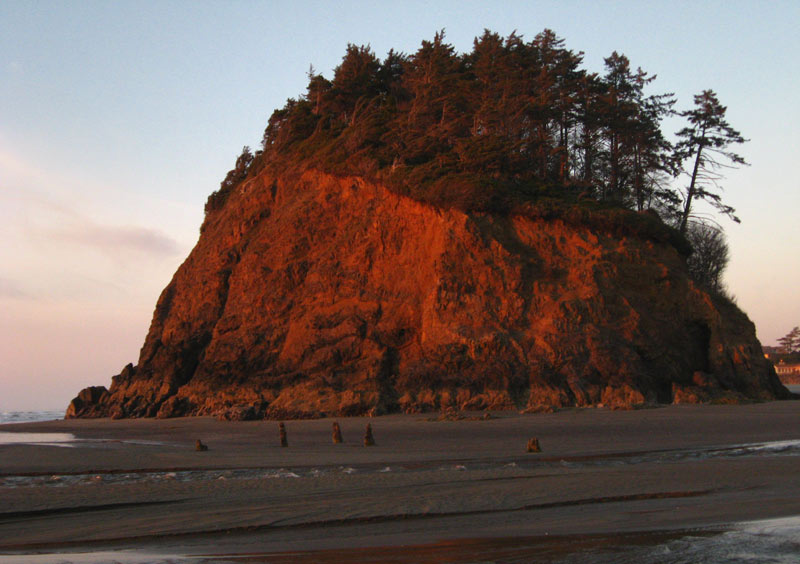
<point>199,446</point>
<point>369,440</point>
<point>533,445</point>
<point>337,433</point>
<point>282,431</point>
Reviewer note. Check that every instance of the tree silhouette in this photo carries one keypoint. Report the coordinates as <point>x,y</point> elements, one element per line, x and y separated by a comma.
<point>791,341</point>
<point>704,142</point>
<point>509,122</point>
<point>635,154</point>
<point>709,257</point>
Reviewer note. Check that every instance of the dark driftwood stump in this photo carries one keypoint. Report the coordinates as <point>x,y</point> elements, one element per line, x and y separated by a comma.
<point>369,440</point>
<point>533,445</point>
<point>337,433</point>
<point>282,430</point>
<point>198,445</point>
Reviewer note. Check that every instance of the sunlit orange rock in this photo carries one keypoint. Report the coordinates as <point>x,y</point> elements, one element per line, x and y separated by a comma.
<point>312,295</point>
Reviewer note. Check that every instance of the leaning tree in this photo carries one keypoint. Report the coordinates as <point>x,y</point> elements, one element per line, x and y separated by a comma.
<point>705,142</point>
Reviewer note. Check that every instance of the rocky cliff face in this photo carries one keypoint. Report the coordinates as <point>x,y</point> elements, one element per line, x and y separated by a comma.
<point>312,295</point>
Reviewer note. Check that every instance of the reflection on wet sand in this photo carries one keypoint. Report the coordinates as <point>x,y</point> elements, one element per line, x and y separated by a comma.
<point>775,541</point>
<point>45,439</point>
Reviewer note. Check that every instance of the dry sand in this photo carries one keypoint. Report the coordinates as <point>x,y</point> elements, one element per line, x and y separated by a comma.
<point>139,484</point>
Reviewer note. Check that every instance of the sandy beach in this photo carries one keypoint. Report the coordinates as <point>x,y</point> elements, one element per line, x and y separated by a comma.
<point>444,490</point>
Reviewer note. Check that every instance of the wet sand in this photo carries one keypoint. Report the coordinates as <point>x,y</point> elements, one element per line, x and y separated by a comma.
<point>446,487</point>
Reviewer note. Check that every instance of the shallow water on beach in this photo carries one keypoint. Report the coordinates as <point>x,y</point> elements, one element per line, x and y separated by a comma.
<point>774,448</point>
<point>100,557</point>
<point>45,439</point>
<point>775,541</point>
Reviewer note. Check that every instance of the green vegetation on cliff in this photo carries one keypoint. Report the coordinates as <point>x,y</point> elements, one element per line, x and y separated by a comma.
<point>508,123</point>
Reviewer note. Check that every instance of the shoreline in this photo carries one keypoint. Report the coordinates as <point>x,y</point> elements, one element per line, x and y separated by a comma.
<point>655,471</point>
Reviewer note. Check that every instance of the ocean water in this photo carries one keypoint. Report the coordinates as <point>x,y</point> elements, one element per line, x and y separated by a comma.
<point>29,416</point>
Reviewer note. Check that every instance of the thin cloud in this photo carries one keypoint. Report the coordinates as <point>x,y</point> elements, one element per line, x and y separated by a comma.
<point>12,165</point>
<point>112,238</point>
<point>63,223</point>
<point>12,290</point>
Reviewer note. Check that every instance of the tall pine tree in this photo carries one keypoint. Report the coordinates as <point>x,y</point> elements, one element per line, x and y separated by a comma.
<point>704,143</point>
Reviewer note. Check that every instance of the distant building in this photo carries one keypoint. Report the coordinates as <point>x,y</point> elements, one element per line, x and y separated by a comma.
<point>788,372</point>
<point>783,368</point>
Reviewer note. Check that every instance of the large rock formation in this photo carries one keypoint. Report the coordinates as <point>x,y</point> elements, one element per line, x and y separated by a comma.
<point>309,295</point>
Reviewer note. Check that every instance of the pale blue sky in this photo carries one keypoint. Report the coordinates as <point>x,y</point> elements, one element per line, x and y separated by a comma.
<point>117,119</point>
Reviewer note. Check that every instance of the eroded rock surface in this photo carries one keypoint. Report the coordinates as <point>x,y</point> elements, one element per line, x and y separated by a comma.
<point>311,295</point>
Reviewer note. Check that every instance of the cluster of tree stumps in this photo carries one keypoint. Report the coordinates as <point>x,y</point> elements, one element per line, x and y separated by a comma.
<point>369,439</point>
<point>336,435</point>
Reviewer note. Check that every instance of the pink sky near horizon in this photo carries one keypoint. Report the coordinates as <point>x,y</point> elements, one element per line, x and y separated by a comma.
<point>118,119</point>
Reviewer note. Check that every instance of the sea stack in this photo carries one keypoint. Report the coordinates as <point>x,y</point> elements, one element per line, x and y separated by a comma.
<point>384,253</point>
<point>301,318</point>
